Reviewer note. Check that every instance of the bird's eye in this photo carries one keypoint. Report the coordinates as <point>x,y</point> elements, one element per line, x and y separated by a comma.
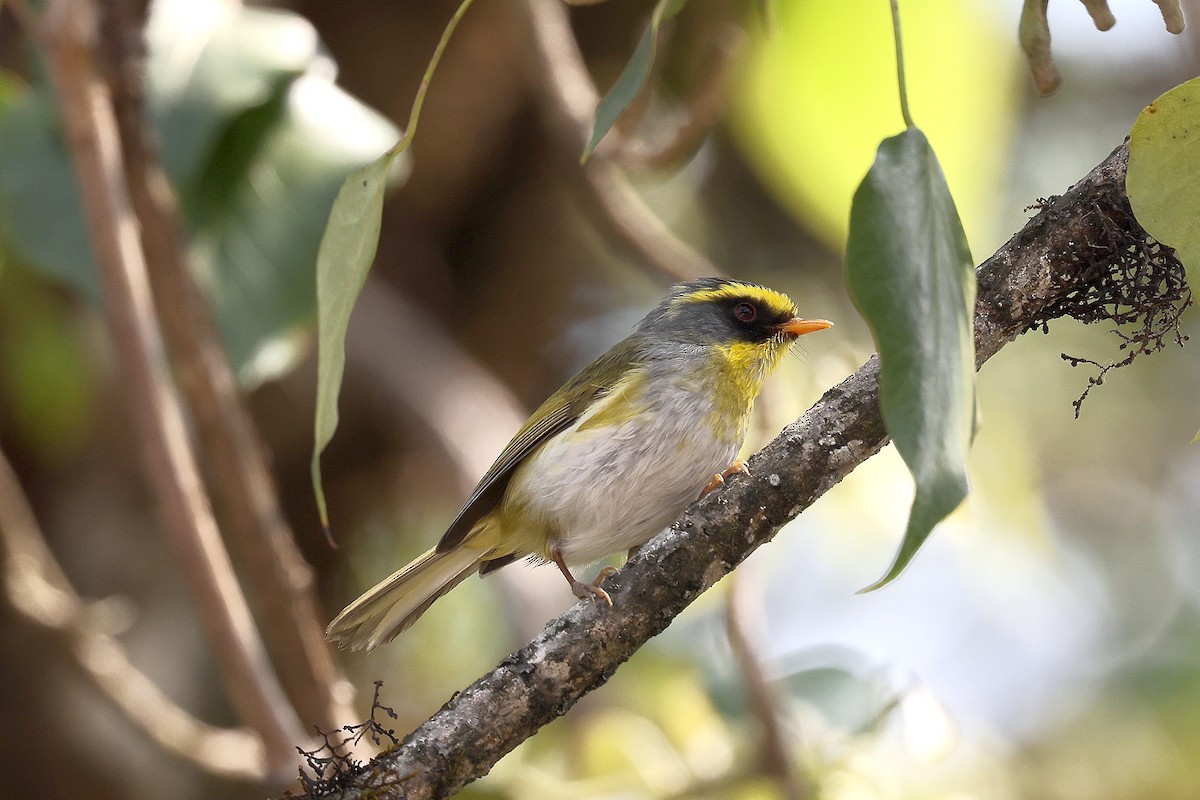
<point>745,312</point>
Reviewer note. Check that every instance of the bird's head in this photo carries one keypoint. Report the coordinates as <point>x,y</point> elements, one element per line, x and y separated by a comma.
<point>751,326</point>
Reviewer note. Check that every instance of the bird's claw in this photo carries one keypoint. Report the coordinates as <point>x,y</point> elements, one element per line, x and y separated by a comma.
<point>718,478</point>
<point>590,591</point>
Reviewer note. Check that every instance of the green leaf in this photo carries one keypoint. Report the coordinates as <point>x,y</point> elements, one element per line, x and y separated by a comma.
<point>910,272</point>
<point>1164,171</point>
<point>347,250</point>
<point>633,77</point>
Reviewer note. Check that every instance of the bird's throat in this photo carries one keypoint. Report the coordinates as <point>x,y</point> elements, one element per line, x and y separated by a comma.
<point>737,381</point>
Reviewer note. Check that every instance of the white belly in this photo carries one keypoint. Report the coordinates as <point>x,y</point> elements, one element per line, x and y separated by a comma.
<point>604,490</point>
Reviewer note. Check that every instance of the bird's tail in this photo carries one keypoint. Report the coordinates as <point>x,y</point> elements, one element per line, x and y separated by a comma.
<point>397,601</point>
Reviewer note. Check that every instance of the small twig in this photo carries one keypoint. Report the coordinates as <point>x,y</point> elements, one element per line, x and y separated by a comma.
<point>94,145</point>
<point>414,114</point>
<point>237,469</point>
<point>742,624</point>
<point>331,764</point>
<point>39,591</point>
<point>568,102</point>
<point>901,83</point>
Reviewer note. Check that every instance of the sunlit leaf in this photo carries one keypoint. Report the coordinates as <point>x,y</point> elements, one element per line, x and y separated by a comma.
<point>347,249</point>
<point>629,84</point>
<point>909,271</point>
<point>208,64</point>
<point>1164,171</point>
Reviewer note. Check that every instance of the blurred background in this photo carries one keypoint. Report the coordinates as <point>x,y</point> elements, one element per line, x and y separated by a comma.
<point>1044,645</point>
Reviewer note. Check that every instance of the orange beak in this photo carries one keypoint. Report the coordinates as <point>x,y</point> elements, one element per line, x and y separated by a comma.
<point>799,327</point>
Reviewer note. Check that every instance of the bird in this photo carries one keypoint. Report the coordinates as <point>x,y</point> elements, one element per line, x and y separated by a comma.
<point>611,458</point>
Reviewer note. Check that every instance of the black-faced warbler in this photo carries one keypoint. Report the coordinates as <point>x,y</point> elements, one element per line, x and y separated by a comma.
<point>612,457</point>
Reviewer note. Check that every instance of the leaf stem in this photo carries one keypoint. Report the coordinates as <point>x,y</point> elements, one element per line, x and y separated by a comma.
<point>414,116</point>
<point>908,121</point>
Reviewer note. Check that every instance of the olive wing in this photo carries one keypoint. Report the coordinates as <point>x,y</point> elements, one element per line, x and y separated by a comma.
<point>557,414</point>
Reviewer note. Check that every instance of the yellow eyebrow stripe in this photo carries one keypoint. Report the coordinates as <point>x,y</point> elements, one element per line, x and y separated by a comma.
<point>766,297</point>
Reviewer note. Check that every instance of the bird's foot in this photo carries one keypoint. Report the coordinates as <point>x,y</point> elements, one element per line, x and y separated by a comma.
<point>602,574</point>
<point>718,478</point>
<point>590,591</point>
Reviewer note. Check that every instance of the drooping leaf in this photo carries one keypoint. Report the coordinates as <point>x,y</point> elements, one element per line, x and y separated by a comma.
<point>346,253</point>
<point>347,249</point>
<point>909,271</point>
<point>1164,171</point>
<point>631,80</point>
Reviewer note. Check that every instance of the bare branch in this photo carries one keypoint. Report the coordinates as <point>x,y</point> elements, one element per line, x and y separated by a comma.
<point>70,34</point>
<point>237,469</point>
<point>39,591</point>
<point>568,103</point>
<point>1020,287</point>
<point>743,620</point>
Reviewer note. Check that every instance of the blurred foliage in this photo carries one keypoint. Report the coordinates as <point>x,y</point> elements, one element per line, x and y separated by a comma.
<point>47,379</point>
<point>256,139</point>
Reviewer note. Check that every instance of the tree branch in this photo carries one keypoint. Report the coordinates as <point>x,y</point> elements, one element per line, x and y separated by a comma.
<point>70,33</point>
<point>743,619</point>
<point>1036,276</point>
<point>237,473</point>
<point>39,591</point>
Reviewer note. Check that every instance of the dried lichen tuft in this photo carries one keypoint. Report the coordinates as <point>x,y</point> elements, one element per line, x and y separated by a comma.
<point>332,768</point>
<point>1119,274</point>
